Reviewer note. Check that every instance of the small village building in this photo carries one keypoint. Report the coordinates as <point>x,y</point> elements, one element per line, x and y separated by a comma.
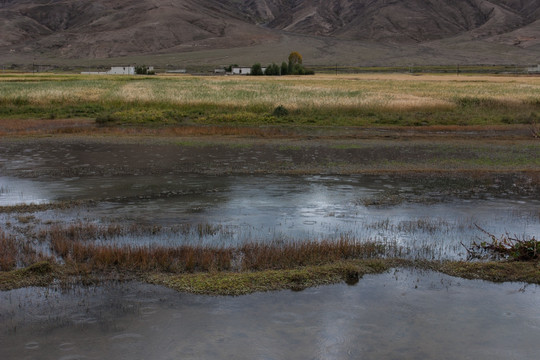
<point>243,70</point>
<point>122,70</point>
<point>219,71</point>
<point>534,69</point>
<point>115,70</point>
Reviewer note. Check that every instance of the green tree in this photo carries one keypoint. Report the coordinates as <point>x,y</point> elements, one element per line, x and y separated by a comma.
<point>298,69</point>
<point>273,70</point>
<point>256,69</point>
<point>284,68</point>
<point>294,59</point>
<point>141,70</point>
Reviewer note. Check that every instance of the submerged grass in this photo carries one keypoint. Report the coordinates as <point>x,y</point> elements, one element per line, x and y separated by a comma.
<point>16,253</point>
<point>32,208</point>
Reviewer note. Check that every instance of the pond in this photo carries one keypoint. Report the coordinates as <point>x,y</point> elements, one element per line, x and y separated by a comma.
<point>189,194</point>
<point>280,208</point>
<point>405,314</point>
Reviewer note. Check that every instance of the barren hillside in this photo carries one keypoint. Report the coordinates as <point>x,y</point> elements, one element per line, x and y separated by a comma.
<point>104,28</point>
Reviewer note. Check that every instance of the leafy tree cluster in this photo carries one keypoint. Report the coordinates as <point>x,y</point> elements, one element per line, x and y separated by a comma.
<point>292,67</point>
<point>143,70</point>
<point>256,69</point>
<point>273,69</point>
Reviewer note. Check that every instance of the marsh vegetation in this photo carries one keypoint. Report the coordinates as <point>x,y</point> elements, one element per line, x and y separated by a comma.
<point>231,185</point>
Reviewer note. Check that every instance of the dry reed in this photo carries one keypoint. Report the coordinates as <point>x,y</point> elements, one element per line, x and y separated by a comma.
<point>16,253</point>
<point>77,244</point>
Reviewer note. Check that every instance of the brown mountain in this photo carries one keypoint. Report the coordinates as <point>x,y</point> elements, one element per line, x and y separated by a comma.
<point>452,30</point>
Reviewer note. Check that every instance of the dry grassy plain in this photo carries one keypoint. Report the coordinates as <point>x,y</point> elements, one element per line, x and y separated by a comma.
<point>329,100</point>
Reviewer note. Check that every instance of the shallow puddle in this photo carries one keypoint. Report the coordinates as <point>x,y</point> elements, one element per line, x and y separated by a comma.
<point>403,314</point>
<point>274,208</point>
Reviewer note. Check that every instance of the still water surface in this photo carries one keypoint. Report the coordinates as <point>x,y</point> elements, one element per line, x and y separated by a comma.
<point>402,314</point>
<point>269,208</point>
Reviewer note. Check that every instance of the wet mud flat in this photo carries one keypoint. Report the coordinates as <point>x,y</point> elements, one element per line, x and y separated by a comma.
<point>398,314</point>
<point>78,156</point>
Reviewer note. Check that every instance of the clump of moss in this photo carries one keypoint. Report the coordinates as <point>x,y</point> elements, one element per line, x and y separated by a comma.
<point>38,274</point>
<point>296,279</point>
<point>497,271</point>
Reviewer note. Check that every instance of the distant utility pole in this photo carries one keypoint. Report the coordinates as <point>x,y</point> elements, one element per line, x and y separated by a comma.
<point>336,68</point>
<point>457,71</point>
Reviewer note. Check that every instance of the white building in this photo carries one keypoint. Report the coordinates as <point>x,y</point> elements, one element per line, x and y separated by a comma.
<point>534,69</point>
<point>243,70</point>
<point>115,70</point>
<point>121,70</point>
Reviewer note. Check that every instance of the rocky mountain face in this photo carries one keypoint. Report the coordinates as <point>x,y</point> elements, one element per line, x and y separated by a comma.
<point>397,20</point>
<point>106,28</point>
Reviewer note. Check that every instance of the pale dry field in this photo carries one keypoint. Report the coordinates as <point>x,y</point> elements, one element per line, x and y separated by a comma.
<point>378,91</point>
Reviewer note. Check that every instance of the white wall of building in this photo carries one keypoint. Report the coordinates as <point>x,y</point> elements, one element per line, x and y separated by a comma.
<point>243,70</point>
<point>122,70</point>
<point>534,69</point>
<point>115,70</point>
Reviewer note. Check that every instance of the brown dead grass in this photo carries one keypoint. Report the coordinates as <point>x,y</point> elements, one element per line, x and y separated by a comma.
<point>8,252</point>
<point>77,244</point>
<point>15,253</point>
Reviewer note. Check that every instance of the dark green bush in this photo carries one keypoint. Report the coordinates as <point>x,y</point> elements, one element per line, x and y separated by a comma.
<point>280,111</point>
<point>256,69</point>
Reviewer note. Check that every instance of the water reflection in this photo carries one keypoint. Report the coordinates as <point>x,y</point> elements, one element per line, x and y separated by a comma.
<point>400,314</point>
<point>269,208</point>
